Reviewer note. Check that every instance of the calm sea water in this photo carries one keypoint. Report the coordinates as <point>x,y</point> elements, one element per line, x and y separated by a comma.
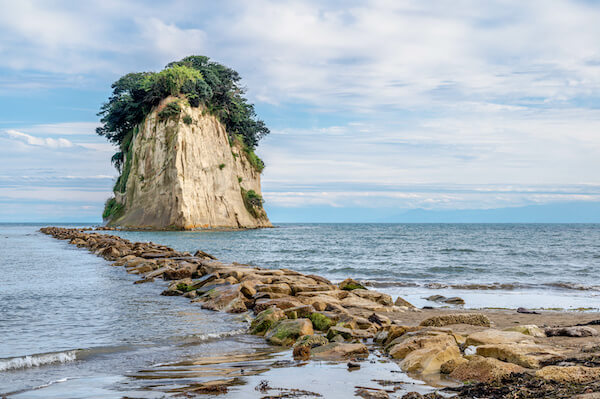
<point>73,326</point>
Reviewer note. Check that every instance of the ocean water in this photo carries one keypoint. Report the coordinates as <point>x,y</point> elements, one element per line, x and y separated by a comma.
<point>73,326</point>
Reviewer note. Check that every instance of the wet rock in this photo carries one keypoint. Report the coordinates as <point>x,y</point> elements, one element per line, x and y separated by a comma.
<point>522,354</point>
<point>350,284</point>
<point>526,311</point>
<point>496,337</point>
<point>455,301</point>
<point>483,369</point>
<point>475,319</point>
<point>301,352</point>
<point>528,329</point>
<point>569,374</point>
<point>436,298</point>
<point>320,322</point>
<point>576,331</point>
<point>339,351</point>
<point>286,332</point>
<point>353,365</point>
<point>265,320</point>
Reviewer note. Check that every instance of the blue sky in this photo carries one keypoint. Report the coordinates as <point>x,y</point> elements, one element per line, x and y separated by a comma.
<point>377,108</point>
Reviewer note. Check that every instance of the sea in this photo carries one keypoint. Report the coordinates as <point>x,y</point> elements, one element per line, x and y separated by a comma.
<point>73,326</point>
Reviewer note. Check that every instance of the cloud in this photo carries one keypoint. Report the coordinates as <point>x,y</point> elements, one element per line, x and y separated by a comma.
<point>362,96</point>
<point>37,141</point>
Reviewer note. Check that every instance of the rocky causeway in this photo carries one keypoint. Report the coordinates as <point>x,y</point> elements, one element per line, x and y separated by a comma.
<point>461,353</point>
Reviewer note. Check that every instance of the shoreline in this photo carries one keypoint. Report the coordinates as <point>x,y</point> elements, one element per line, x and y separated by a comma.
<point>289,306</point>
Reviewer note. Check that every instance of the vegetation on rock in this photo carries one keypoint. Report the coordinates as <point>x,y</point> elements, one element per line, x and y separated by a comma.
<point>196,79</point>
<point>253,202</point>
<point>112,209</point>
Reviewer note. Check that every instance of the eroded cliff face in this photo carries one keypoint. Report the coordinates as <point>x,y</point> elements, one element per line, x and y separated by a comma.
<point>185,174</point>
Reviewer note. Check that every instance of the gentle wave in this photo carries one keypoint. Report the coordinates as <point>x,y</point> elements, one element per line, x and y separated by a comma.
<point>36,360</point>
<point>464,250</point>
<point>482,286</point>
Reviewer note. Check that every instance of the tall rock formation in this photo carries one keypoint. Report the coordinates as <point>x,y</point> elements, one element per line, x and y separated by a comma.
<point>182,171</point>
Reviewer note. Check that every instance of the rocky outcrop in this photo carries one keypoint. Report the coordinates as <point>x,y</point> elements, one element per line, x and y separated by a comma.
<point>184,172</point>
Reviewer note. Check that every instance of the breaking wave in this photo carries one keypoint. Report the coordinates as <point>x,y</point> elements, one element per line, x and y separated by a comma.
<point>36,360</point>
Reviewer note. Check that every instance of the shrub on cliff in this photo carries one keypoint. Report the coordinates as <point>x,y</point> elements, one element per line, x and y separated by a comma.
<point>195,78</point>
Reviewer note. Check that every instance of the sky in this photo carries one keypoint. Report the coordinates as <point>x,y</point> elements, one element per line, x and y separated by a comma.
<point>377,108</point>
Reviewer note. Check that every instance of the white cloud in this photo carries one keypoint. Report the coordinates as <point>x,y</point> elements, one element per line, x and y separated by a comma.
<point>501,92</point>
<point>39,141</point>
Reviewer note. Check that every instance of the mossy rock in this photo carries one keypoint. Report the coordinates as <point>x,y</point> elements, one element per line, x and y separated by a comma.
<point>312,341</point>
<point>350,284</point>
<point>266,319</point>
<point>184,287</point>
<point>286,332</point>
<point>321,322</point>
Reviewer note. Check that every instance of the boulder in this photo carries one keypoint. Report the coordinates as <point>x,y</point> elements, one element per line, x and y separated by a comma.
<point>339,351</point>
<point>266,319</point>
<point>297,287</point>
<point>350,284</point>
<point>379,320</point>
<point>569,374</point>
<point>396,331</point>
<point>483,369</point>
<point>225,298</point>
<point>491,336</point>
<point>182,270</point>
<point>454,301</point>
<point>474,319</point>
<point>576,331</point>
<point>412,343</point>
<point>282,303</point>
<point>429,359</point>
<point>280,288</point>
<point>452,364</point>
<point>286,332</point>
<point>312,341</point>
<point>371,393</point>
<point>523,354</point>
<point>348,333</point>
<point>402,302</point>
<point>208,278</point>
<point>374,296</point>
<point>381,336</point>
<point>321,322</point>
<point>528,329</point>
<point>247,288</point>
<point>303,311</point>
<point>354,301</point>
